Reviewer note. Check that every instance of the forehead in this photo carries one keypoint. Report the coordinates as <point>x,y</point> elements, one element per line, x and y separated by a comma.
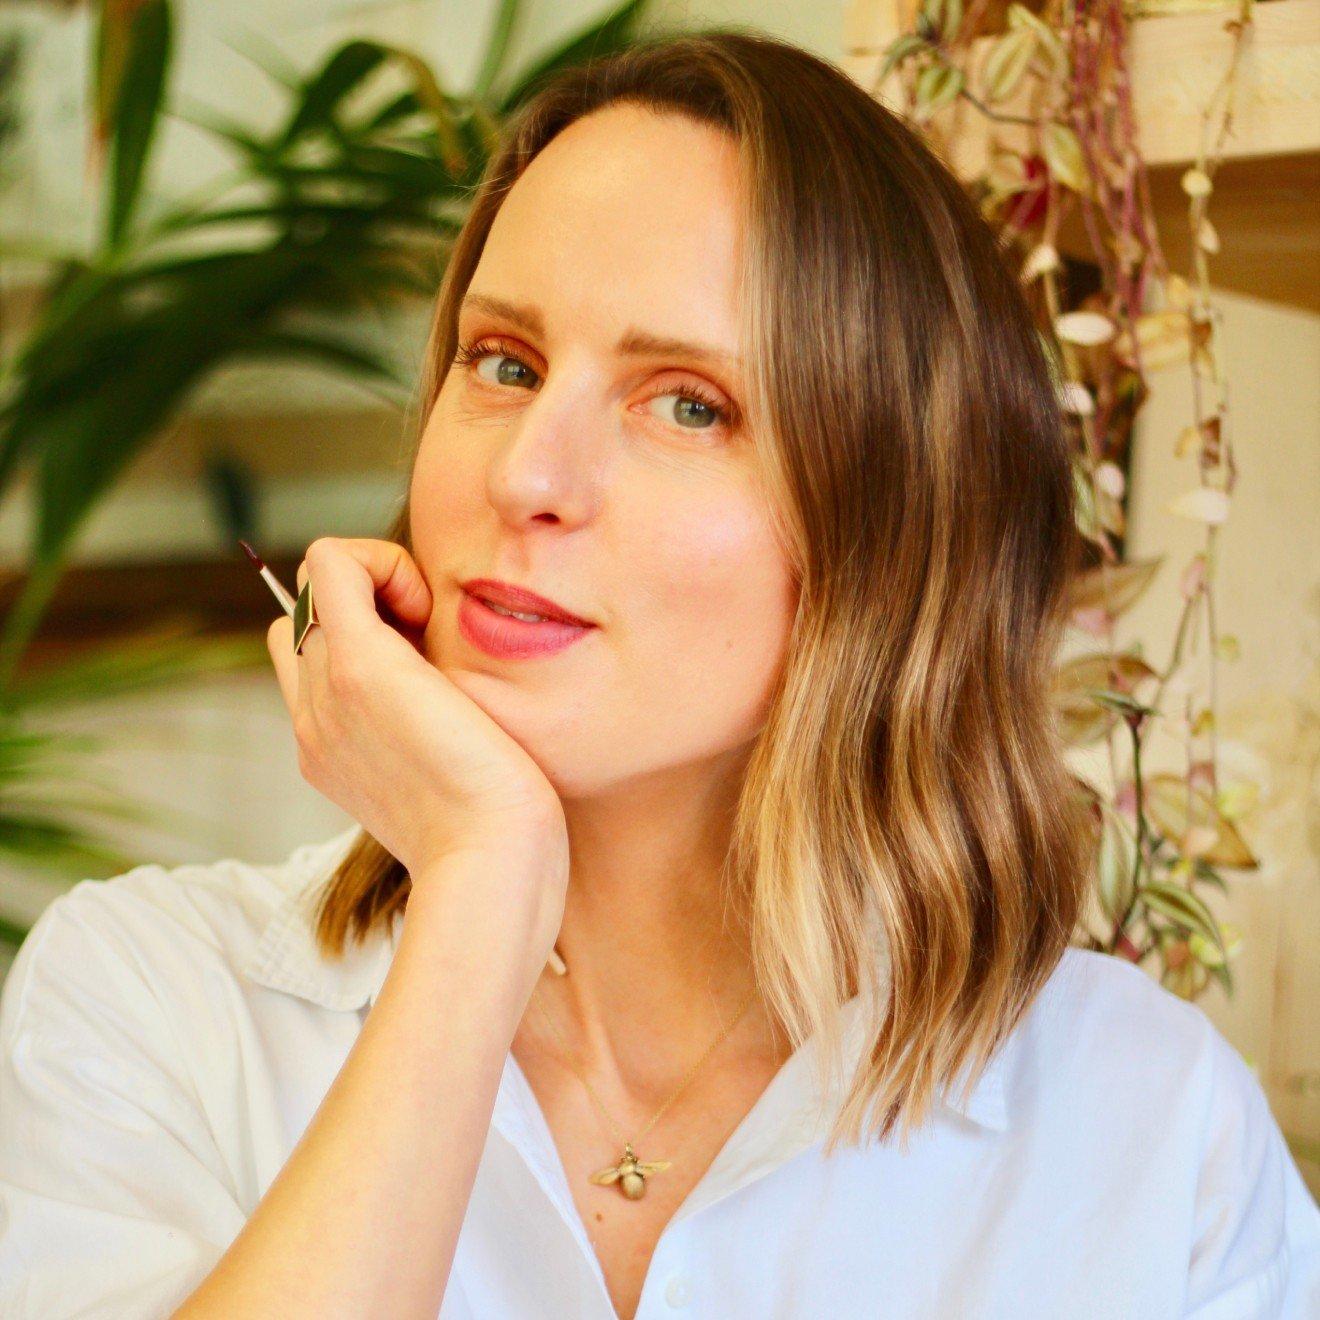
<point>628,216</point>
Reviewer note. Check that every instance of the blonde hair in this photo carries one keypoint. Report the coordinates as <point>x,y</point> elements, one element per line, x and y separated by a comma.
<point>910,774</point>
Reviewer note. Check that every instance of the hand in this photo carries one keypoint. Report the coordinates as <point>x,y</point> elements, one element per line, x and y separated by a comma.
<point>387,736</point>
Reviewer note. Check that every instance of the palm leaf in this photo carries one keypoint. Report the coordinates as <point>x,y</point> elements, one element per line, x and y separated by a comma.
<point>616,31</point>
<point>137,112</point>
<point>173,651</point>
<point>506,21</point>
<point>321,96</point>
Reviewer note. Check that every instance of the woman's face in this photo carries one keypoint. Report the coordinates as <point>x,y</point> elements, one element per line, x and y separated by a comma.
<point>614,478</point>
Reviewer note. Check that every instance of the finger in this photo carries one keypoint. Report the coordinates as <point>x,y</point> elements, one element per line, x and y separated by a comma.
<point>353,575</point>
<point>310,679</point>
<point>279,642</point>
<point>301,576</point>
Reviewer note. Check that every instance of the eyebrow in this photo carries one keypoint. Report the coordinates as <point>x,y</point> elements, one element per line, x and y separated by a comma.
<point>633,342</point>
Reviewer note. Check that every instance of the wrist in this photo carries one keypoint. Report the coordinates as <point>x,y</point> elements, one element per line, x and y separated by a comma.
<point>531,838</point>
<point>496,914</point>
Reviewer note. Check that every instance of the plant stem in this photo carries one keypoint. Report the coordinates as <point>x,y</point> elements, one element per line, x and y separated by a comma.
<point>1120,928</point>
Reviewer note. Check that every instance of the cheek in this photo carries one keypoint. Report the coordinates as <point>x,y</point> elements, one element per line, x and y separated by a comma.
<point>717,603</point>
<point>446,492</point>
<point>448,514</point>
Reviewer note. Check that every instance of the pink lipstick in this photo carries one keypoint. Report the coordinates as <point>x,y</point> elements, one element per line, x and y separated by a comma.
<point>508,638</point>
<point>509,596</point>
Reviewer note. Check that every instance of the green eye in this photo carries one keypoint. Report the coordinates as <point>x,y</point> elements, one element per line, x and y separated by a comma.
<point>696,409</point>
<point>693,407</point>
<point>475,355</point>
<point>507,369</point>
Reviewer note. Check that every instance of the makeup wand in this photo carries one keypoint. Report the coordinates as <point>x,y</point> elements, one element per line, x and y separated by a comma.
<point>287,602</point>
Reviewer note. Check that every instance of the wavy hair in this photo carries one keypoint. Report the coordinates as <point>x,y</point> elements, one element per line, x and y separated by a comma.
<point>910,777</point>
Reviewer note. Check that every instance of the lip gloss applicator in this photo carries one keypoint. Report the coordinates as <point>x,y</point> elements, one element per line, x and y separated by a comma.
<point>287,602</point>
<point>302,610</point>
<point>289,605</point>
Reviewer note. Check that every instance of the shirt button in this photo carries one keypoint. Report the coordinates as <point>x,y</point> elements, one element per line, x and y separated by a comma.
<point>677,1290</point>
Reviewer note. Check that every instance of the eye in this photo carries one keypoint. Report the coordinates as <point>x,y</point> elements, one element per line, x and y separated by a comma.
<point>693,408</point>
<point>476,354</point>
<point>696,411</point>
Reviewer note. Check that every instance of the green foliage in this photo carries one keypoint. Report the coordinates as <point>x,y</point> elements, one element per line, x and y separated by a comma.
<point>137,112</point>
<point>359,192</point>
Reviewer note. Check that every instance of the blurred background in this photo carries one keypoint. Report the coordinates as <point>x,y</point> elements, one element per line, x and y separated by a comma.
<point>221,229</point>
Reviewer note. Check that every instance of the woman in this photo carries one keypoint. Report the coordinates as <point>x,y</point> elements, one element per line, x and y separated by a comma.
<point>754,842</point>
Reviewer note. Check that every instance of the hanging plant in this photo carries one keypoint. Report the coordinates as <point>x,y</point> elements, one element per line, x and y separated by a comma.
<point>1054,90</point>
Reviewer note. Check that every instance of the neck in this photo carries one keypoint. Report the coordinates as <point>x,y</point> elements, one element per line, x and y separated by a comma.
<point>658,963</point>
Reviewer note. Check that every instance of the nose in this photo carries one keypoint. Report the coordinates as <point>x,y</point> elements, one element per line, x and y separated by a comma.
<point>551,459</point>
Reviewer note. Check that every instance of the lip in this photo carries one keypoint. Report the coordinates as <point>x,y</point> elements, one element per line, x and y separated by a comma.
<point>513,597</point>
<point>513,639</point>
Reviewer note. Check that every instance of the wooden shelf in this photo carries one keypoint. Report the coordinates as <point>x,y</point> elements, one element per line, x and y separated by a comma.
<point>1265,211</point>
<point>1267,193</point>
<point>95,604</point>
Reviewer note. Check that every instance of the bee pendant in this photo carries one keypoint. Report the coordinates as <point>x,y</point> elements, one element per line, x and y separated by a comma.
<point>630,1173</point>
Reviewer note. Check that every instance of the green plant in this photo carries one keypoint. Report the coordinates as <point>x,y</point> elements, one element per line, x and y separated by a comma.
<point>53,806</point>
<point>358,192</point>
<point>357,204</point>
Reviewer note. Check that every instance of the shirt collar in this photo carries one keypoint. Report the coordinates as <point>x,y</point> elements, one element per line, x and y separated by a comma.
<point>287,958</point>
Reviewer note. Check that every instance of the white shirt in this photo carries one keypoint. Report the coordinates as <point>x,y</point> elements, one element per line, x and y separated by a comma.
<point>166,1036</point>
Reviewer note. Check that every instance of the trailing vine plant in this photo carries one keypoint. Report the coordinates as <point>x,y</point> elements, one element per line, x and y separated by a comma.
<point>1053,86</point>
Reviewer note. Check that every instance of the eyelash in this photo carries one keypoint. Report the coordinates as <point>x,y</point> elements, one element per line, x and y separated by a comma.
<point>471,351</point>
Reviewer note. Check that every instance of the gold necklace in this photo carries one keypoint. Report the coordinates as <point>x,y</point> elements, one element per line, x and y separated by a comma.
<point>630,1172</point>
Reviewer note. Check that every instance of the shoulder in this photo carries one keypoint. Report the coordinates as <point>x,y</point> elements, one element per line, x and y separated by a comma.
<point>1109,1044</point>
<point>1122,1042</point>
<point>137,938</point>
<point>138,1114</point>
<point>1102,1018</point>
<point>1131,1082</point>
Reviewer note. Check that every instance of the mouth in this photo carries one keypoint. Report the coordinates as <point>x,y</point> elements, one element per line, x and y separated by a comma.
<point>505,636</point>
<point>521,604</point>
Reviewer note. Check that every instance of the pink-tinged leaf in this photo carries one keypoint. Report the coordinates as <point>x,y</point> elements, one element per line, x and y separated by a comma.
<point>1094,620</point>
<point>1164,339</point>
<point>1113,587</point>
<point>1064,156</point>
<point>1126,949</point>
<point>1084,327</point>
<point>1184,908</point>
<point>1083,718</point>
<point>1109,477</point>
<point>1199,841</point>
<point>1167,799</point>
<point>1075,398</point>
<point>1042,258</point>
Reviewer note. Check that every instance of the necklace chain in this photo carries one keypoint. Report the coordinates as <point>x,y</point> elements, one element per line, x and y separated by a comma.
<point>678,1090</point>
